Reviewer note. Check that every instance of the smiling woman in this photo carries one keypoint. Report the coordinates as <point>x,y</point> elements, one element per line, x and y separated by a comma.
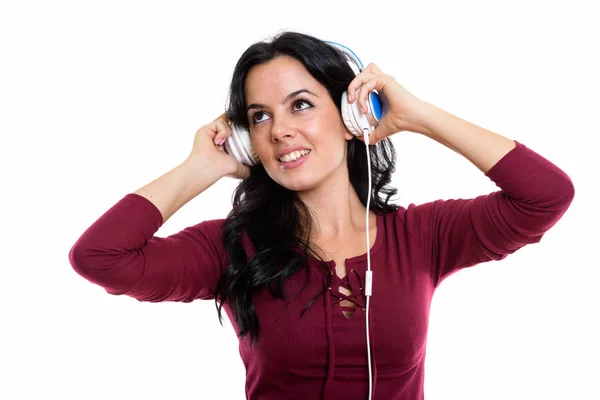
<point>289,264</point>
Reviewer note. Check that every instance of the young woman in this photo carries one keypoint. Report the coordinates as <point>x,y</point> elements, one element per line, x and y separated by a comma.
<point>289,263</point>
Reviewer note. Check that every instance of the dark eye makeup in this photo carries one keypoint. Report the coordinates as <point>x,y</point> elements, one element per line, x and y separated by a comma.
<point>259,113</point>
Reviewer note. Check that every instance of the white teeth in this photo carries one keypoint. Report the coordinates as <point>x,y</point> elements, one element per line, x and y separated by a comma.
<point>294,155</point>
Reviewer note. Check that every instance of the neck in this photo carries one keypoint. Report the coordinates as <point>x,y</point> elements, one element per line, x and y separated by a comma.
<point>336,211</point>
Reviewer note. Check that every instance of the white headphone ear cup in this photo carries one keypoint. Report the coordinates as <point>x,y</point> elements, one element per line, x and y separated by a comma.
<point>240,146</point>
<point>348,116</point>
<point>247,146</point>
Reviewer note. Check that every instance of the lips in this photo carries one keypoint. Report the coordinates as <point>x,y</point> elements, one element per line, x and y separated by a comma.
<point>298,154</point>
<point>294,164</point>
<point>288,150</point>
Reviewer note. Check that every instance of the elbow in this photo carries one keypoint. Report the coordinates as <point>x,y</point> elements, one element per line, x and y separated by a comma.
<point>565,193</point>
<point>97,266</point>
<point>81,260</point>
<point>569,192</point>
<point>77,257</point>
<point>555,210</point>
<point>116,272</point>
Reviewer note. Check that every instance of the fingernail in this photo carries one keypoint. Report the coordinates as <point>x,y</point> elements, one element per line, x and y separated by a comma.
<point>222,140</point>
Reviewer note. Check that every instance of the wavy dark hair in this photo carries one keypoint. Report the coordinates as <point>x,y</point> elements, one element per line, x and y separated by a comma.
<point>274,219</point>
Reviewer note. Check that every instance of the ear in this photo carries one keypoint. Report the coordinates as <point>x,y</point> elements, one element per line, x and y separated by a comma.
<point>348,135</point>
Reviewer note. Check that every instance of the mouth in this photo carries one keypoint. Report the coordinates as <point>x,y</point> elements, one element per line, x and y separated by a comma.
<point>293,156</point>
<point>293,159</point>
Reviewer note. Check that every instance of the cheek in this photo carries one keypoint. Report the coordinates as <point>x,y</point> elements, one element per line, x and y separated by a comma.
<point>259,145</point>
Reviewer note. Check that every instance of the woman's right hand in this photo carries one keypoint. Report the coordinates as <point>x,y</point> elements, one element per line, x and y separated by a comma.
<point>206,148</point>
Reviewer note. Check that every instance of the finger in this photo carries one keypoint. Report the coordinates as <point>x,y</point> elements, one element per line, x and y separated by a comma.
<point>372,68</point>
<point>222,130</point>
<point>367,73</point>
<point>356,83</point>
<point>364,91</point>
<point>245,171</point>
<point>217,125</point>
<point>377,83</point>
<point>373,137</point>
<point>212,129</point>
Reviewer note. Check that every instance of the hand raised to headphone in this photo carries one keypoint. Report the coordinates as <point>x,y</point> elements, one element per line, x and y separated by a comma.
<point>208,149</point>
<point>400,107</point>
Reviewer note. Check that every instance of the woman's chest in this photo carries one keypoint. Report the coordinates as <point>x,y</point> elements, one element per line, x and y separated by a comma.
<point>299,336</point>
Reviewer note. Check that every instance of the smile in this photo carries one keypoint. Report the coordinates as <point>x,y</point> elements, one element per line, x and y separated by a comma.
<point>294,155</point>
<point>294,159</point>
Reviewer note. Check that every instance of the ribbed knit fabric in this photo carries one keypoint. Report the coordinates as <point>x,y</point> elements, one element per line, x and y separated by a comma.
<point>323,354</point>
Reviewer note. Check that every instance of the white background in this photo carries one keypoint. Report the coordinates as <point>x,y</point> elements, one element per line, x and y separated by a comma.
<point>99,98</point>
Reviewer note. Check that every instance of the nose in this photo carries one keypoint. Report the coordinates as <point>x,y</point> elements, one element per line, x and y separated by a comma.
<point>282,128</point>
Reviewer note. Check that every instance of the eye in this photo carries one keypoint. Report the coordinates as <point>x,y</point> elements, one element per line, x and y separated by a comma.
<point>302,101</point>
<point>255,119</point>
<point>298,105</point>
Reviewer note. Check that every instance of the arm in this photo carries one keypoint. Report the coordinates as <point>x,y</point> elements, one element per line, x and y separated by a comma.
<point>120,252</point>
<point>459,233</point>
<point>478,145</point>
<point>205,165</point>
<point>175,188</point>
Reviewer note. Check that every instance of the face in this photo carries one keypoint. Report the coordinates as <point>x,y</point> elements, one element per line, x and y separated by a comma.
<point>288,109</point>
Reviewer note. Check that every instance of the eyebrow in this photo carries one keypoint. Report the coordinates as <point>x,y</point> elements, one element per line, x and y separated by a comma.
<point>287,98</point>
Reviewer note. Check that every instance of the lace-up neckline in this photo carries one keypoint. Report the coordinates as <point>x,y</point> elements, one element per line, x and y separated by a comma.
<point>355,284</point>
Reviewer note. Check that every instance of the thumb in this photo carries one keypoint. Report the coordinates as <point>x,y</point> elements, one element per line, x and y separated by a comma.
<point>243,171</point>
<point>374,136</point>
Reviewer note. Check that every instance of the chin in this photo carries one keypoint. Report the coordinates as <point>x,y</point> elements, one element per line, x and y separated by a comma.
<point>300,181</point>
<point>297,183</point>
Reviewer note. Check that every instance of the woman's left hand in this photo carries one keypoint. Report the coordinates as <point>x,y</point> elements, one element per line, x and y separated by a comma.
<point>400,107</point>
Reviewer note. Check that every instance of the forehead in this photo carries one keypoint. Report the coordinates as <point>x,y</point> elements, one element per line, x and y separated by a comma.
<point>278,77</point>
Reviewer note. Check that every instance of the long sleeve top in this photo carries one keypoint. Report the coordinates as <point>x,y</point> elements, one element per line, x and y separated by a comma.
<point>322,355</point>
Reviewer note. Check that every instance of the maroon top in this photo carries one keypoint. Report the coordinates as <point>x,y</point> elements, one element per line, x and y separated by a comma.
<point>323,354</point>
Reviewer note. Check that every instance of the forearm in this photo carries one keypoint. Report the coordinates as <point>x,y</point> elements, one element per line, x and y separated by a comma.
<point>480,146</point>
<point>175,188</point>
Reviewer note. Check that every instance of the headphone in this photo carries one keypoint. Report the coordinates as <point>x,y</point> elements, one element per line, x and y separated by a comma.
<point>239,144</point>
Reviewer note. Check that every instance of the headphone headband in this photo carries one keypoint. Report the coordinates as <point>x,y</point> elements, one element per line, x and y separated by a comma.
<point>350,55</point>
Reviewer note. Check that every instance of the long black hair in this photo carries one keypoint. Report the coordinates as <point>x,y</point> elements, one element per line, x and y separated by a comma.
<point>273,217</point>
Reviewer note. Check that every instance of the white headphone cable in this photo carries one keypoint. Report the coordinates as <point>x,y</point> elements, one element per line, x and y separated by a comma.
<point>369,276</point>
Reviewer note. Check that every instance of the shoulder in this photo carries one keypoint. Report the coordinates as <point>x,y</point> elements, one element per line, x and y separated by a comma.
<point>412,214</point>
<point>417,219</point>
<point>214,230</point>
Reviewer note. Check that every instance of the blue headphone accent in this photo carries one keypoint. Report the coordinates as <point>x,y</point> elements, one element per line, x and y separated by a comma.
<point>376,102</point>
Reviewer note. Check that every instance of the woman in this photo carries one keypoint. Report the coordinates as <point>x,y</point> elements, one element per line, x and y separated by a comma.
<point>288,263</point>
